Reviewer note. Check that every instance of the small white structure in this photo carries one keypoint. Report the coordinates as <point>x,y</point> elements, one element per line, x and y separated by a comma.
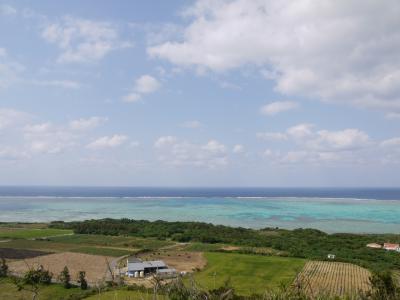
<point>331,256</point>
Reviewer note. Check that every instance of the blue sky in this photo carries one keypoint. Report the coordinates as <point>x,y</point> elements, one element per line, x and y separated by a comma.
<point>201,93</point>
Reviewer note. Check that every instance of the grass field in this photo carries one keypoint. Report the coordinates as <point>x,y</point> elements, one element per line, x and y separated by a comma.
<point>50,246</point>
<point>90,244</point>
<point>30,233</point>
<point>125,295</point>
<point>115,241</point>
<point>9,291</point>
<point>248,273</point>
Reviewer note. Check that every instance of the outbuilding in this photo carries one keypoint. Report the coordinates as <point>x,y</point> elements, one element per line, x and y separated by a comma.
<point>139,268</point>
<point>391,247</point>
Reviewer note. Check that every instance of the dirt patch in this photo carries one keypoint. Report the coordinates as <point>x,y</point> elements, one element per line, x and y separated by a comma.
<point>230,248</point>
<point>95,266</point>
<point>179,260</point>
<point>10,253</point>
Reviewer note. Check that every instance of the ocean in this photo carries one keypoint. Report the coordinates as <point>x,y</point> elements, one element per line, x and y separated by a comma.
<point>353,210</point>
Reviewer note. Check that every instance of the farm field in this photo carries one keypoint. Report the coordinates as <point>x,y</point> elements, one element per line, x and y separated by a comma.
<point>334,278</point>
<point>49,246</point>
<point>31,233</point>
<point>179,260</point>
<point>95,266</point>
<point>248,273</point>
<point>61,240</point>
<point>10,253</point>
<point>114,241</point>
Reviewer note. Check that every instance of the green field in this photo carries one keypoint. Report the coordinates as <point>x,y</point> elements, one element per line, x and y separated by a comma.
<point>31,233</point>
<point>125,295</point>
<point>54,291</point>
<point>248,273</point>
<point>115,241</point>
<point>60,240</point>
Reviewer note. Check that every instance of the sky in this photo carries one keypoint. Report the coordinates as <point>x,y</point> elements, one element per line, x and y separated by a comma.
<point>200,93</point>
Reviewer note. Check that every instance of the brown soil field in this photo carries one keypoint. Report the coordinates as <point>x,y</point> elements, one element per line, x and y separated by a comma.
<point>181,261</point>
<point>10,253</point>
<point>333,278</point>
<point>95,266</point>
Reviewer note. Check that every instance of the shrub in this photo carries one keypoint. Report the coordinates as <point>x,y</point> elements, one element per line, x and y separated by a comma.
<point>82,280</point>
<point>3,268</point>
<point>65,278</point>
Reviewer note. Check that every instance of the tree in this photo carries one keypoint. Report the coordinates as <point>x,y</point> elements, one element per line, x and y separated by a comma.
<point>33,280</point>
<point>65,278</point>
<point>383,286</point>
<point>82,280</point>
<point>3,268</point>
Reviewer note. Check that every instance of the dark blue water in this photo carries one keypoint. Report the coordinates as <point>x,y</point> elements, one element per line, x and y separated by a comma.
<point>355,193</point>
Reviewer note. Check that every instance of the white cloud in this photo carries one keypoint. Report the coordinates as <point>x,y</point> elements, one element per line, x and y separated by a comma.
<point>339,140</point>
<point>333,51</point>
<point>392,116</point>
<point>393,142</point>
<point>145,84</point>
<point>271,136</point>
<point>11,154</point>
<point>66,84</point>
<point>83,40</point>
<point>9,69</point>
<point>277,107</point>
<point>132,97</point>
<point>108,142</point>
<point>175,152</point>
<point>38,128</point>
<point>238,149</point>
<point>311,146</point>
<point>47,138</point>
<point>192,124</point>
<point>87,124</point>
<point>46,147</point>
<point>10,117</point>
<point>300,131</point>
<point>7,10</point>
<point>134,144</point>
<point>165,141</point>
<point>309,157</point>
<point>214,146</point>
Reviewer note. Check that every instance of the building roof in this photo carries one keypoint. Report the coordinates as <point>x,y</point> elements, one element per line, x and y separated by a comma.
<point>374,245</point>
<point>135,267</point>
<point>154,264</point>
<point>140,266</point>
<point>390,246</point>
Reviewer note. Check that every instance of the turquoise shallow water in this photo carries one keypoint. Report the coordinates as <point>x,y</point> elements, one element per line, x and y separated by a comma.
<point>330,215</point>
